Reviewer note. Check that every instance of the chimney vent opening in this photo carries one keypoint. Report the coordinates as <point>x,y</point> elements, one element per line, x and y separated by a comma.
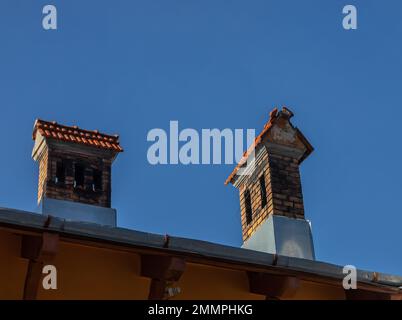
<point>263,192</point>
<point>79,176</point>
<point>60,172</point>
<point>97,180</point>
<point>249,211</point>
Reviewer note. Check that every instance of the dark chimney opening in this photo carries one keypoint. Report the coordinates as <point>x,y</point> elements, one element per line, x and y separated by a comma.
<point>263,192</point>
<point>249,211</point>
<point>97,180</point>
<point>60,172</point>
<point>79,175</point>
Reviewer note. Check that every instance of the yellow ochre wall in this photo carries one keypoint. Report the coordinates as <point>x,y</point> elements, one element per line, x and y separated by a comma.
<point>85,272</point>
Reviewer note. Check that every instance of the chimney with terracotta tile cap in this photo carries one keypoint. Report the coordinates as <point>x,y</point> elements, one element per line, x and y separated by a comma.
<point>271,200</point>
<point>75,172</point>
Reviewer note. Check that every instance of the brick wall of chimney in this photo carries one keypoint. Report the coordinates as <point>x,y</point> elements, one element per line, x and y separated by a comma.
<point>283,191</point>
<point>49,188</point>
<point>43,174</point>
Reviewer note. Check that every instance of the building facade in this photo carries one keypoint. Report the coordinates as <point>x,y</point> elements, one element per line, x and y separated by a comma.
<point>76,231</point>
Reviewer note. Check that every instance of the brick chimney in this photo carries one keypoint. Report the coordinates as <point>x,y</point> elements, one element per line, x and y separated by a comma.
<point>75,172</point>
<point>271,200</point>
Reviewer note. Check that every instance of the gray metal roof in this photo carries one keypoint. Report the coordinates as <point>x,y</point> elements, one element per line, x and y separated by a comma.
<point>195,250</point>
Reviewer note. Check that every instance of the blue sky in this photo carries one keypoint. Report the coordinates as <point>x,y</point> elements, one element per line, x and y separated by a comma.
<point>129,66</point>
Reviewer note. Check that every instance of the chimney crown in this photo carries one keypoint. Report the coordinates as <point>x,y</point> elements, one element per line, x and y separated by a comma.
<point>74,134</point>
<point>278,130</point>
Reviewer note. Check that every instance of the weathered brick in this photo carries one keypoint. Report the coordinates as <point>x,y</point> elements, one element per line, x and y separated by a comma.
<point>47,186</point>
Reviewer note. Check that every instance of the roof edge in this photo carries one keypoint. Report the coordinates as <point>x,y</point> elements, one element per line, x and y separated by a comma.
<point>121,237</point>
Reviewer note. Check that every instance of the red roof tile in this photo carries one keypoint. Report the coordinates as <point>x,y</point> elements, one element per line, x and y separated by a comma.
<point>60,132</point>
